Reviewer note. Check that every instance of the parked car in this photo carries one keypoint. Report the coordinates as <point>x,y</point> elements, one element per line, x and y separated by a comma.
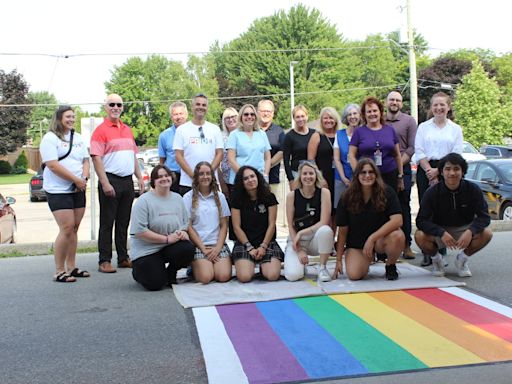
<point>496,151</point>
<point>494,177</point>
<point>7,220</point>
<point>147,154</point>
<point>145,177</point>
<point>154,161</point>
<point>470,153</point>
<point>35,187</point>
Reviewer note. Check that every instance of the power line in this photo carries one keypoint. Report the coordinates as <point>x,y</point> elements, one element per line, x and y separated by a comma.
<point>391,86</point>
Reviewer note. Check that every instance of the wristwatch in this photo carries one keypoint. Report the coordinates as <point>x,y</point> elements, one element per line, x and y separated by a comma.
<point>401,176</point>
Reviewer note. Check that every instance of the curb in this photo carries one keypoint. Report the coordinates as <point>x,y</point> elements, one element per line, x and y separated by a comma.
<point>35,249</point>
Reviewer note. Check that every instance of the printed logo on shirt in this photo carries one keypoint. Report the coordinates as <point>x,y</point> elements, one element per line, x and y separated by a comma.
<point>198,140</point>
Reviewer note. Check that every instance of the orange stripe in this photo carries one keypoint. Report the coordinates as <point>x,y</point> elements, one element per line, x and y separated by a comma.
<point>476,340</point>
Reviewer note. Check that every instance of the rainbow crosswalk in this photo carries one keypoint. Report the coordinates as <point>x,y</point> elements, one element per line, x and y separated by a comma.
<point>352,334</point>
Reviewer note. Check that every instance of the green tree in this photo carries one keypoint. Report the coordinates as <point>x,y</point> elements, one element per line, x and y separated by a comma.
<point>148,87</point>
<point>41,114</point>
<point>14,121</point>
<point>477,107</point>
<point>503,67</point>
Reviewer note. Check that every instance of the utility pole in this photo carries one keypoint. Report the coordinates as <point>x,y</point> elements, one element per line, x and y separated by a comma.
<point>292,90</point>
<point>413,78</point>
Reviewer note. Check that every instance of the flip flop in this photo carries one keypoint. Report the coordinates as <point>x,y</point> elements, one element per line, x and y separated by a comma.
<point>63,277</point>
<point>78,273</point>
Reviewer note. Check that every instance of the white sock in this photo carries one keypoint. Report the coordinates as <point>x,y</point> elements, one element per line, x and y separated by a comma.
<point>462,256</point>
<point>437,256</point>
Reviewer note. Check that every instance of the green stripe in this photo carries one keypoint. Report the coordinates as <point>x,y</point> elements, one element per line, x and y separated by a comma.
<point>374,350</point>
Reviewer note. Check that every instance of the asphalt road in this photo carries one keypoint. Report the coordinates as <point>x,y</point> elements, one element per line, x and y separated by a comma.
<point>108,329</point>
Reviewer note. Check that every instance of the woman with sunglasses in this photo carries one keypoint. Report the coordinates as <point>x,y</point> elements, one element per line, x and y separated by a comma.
<point>369,218</point>
<point>229,124</point>
<point>208,226</point>
<point>308,209</point>
<point>254,213</point>
<point>159,225</point>
<point>65,178</point>
<point>295,146</point>
<point>248,145</point>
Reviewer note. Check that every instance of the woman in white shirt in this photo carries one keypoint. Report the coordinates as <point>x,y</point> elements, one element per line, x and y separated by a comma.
<point>65,180</point>
<point>208,226</point>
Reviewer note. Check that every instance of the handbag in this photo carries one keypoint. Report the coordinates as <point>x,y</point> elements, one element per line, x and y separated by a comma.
<point>43,166</point>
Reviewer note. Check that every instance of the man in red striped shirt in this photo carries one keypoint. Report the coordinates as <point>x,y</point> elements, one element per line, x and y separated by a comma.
<point>113,152</point>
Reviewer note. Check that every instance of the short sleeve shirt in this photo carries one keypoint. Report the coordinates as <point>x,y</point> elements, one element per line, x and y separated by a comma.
<point>165,143</point>
<point>362,225</point>
<point>254,218</point>
<point>365,139</point>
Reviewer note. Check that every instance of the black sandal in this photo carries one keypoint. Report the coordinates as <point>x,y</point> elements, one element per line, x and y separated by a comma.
<point>63,277</point>
<point>78,273</point>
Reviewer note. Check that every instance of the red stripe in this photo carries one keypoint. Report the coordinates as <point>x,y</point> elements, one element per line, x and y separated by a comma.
<point>468,311</point>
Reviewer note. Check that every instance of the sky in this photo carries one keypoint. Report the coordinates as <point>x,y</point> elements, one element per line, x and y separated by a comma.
<point>55,28</point>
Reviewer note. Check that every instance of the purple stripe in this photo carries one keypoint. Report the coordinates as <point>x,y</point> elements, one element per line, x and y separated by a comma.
<point>262,349</point>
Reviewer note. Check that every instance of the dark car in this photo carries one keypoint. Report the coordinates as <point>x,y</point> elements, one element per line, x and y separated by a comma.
<point>494,177</point>
<point>496,151</point>
<point>7,220</point>
<point>35,187</point>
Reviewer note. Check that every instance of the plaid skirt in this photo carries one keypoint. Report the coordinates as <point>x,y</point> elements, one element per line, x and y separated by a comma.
<point>224,252</point>
<point>273,250</point>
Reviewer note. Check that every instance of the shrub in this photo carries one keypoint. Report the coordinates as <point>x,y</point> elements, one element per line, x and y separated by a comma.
<point>5,167</point>
<point>18,171</point>
<point>21,161</point>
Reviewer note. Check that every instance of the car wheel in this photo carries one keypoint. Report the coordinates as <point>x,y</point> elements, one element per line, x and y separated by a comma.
<point>33,198</point>
<point>506,212</point>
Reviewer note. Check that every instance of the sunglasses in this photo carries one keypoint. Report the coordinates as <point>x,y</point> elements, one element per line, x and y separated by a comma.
<point>112,105</point>
<point>249,114</point>
<point>201,133</point>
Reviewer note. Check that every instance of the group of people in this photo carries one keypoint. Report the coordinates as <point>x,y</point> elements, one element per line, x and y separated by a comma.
<point>350,178</point>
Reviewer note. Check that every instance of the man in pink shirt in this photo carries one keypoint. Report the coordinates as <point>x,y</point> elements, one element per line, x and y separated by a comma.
<point>113,152</point>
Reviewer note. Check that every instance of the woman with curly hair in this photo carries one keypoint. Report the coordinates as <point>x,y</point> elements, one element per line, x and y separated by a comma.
<point>369,218</point>
<point>208,226</point>
<point>254,213</point>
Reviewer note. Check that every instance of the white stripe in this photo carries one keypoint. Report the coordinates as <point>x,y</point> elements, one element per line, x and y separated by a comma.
<point>222,363</point>
<point>489,304</point>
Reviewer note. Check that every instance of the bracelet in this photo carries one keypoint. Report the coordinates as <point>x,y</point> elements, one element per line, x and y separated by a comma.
<point>264,245</point>
<point>248,246</point>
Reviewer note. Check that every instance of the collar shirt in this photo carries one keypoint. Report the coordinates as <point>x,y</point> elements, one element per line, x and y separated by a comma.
<point>433,143</point>
<point>405,127</point>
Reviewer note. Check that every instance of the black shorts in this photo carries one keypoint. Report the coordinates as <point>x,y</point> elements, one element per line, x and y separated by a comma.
<point>58,201</point>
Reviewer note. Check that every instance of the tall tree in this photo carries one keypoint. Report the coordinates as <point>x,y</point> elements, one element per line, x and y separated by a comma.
<point>42,113</point>
<point>478,108</point>
<point>148,88</point>
<point>14,121</point>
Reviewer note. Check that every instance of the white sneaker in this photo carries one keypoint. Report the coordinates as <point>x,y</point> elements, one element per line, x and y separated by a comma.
<point>462,267</point>
<point>323,275</point>
<point>438,266</point>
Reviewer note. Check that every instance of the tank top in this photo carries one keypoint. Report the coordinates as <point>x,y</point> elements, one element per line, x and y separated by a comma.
<point>307,211</point>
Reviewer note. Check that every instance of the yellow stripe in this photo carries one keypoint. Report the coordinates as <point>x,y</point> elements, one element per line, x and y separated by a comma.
<point>428,346</point>
<point>482,343</point>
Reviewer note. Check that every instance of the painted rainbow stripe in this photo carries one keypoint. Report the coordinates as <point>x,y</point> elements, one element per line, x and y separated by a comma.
<point>351,335</point>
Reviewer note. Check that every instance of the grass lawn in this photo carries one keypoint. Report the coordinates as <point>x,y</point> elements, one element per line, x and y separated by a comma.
<point>15,179</point>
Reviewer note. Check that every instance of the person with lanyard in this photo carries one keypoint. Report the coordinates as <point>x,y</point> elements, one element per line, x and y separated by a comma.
<point>308,209</point>
<point>179,116</point>
<point>113,151</point>
<point>66,171</point>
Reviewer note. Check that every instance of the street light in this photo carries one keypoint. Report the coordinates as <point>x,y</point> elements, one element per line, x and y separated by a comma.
<point>292,90</point>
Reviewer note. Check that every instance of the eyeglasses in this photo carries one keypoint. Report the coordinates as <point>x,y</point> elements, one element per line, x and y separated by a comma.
<point>249,114</point>
<point>201,133</point>
<point>230,117</point>
<point>112,105</point>
<point>367,173</point>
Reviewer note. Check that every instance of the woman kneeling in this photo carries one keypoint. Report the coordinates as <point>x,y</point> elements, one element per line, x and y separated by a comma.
<point>208,227</point>
<point>369,220</point>
<point>254,213</point>
<point>308,211</point>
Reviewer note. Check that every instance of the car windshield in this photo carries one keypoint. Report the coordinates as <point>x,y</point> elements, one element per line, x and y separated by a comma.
<point>468,148</point>
<point>506,170</point>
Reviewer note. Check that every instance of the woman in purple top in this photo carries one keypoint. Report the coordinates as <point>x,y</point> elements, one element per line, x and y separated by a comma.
<point>378,142</point>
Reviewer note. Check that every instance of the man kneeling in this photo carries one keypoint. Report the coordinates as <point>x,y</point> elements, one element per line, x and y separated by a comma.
<point>453,213</point>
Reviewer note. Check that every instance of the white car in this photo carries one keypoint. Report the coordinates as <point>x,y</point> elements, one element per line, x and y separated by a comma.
<point>470,153</point>
<point>147,154</point>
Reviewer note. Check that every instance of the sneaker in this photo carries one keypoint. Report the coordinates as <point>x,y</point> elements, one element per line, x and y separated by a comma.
<point>323,275</point>
<point>391,272</point>
<point>437,266</point>
<point>427,260</point>
<point>462,268</point>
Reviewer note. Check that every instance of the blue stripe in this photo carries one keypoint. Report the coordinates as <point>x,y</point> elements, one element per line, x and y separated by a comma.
<point>315,349</point>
